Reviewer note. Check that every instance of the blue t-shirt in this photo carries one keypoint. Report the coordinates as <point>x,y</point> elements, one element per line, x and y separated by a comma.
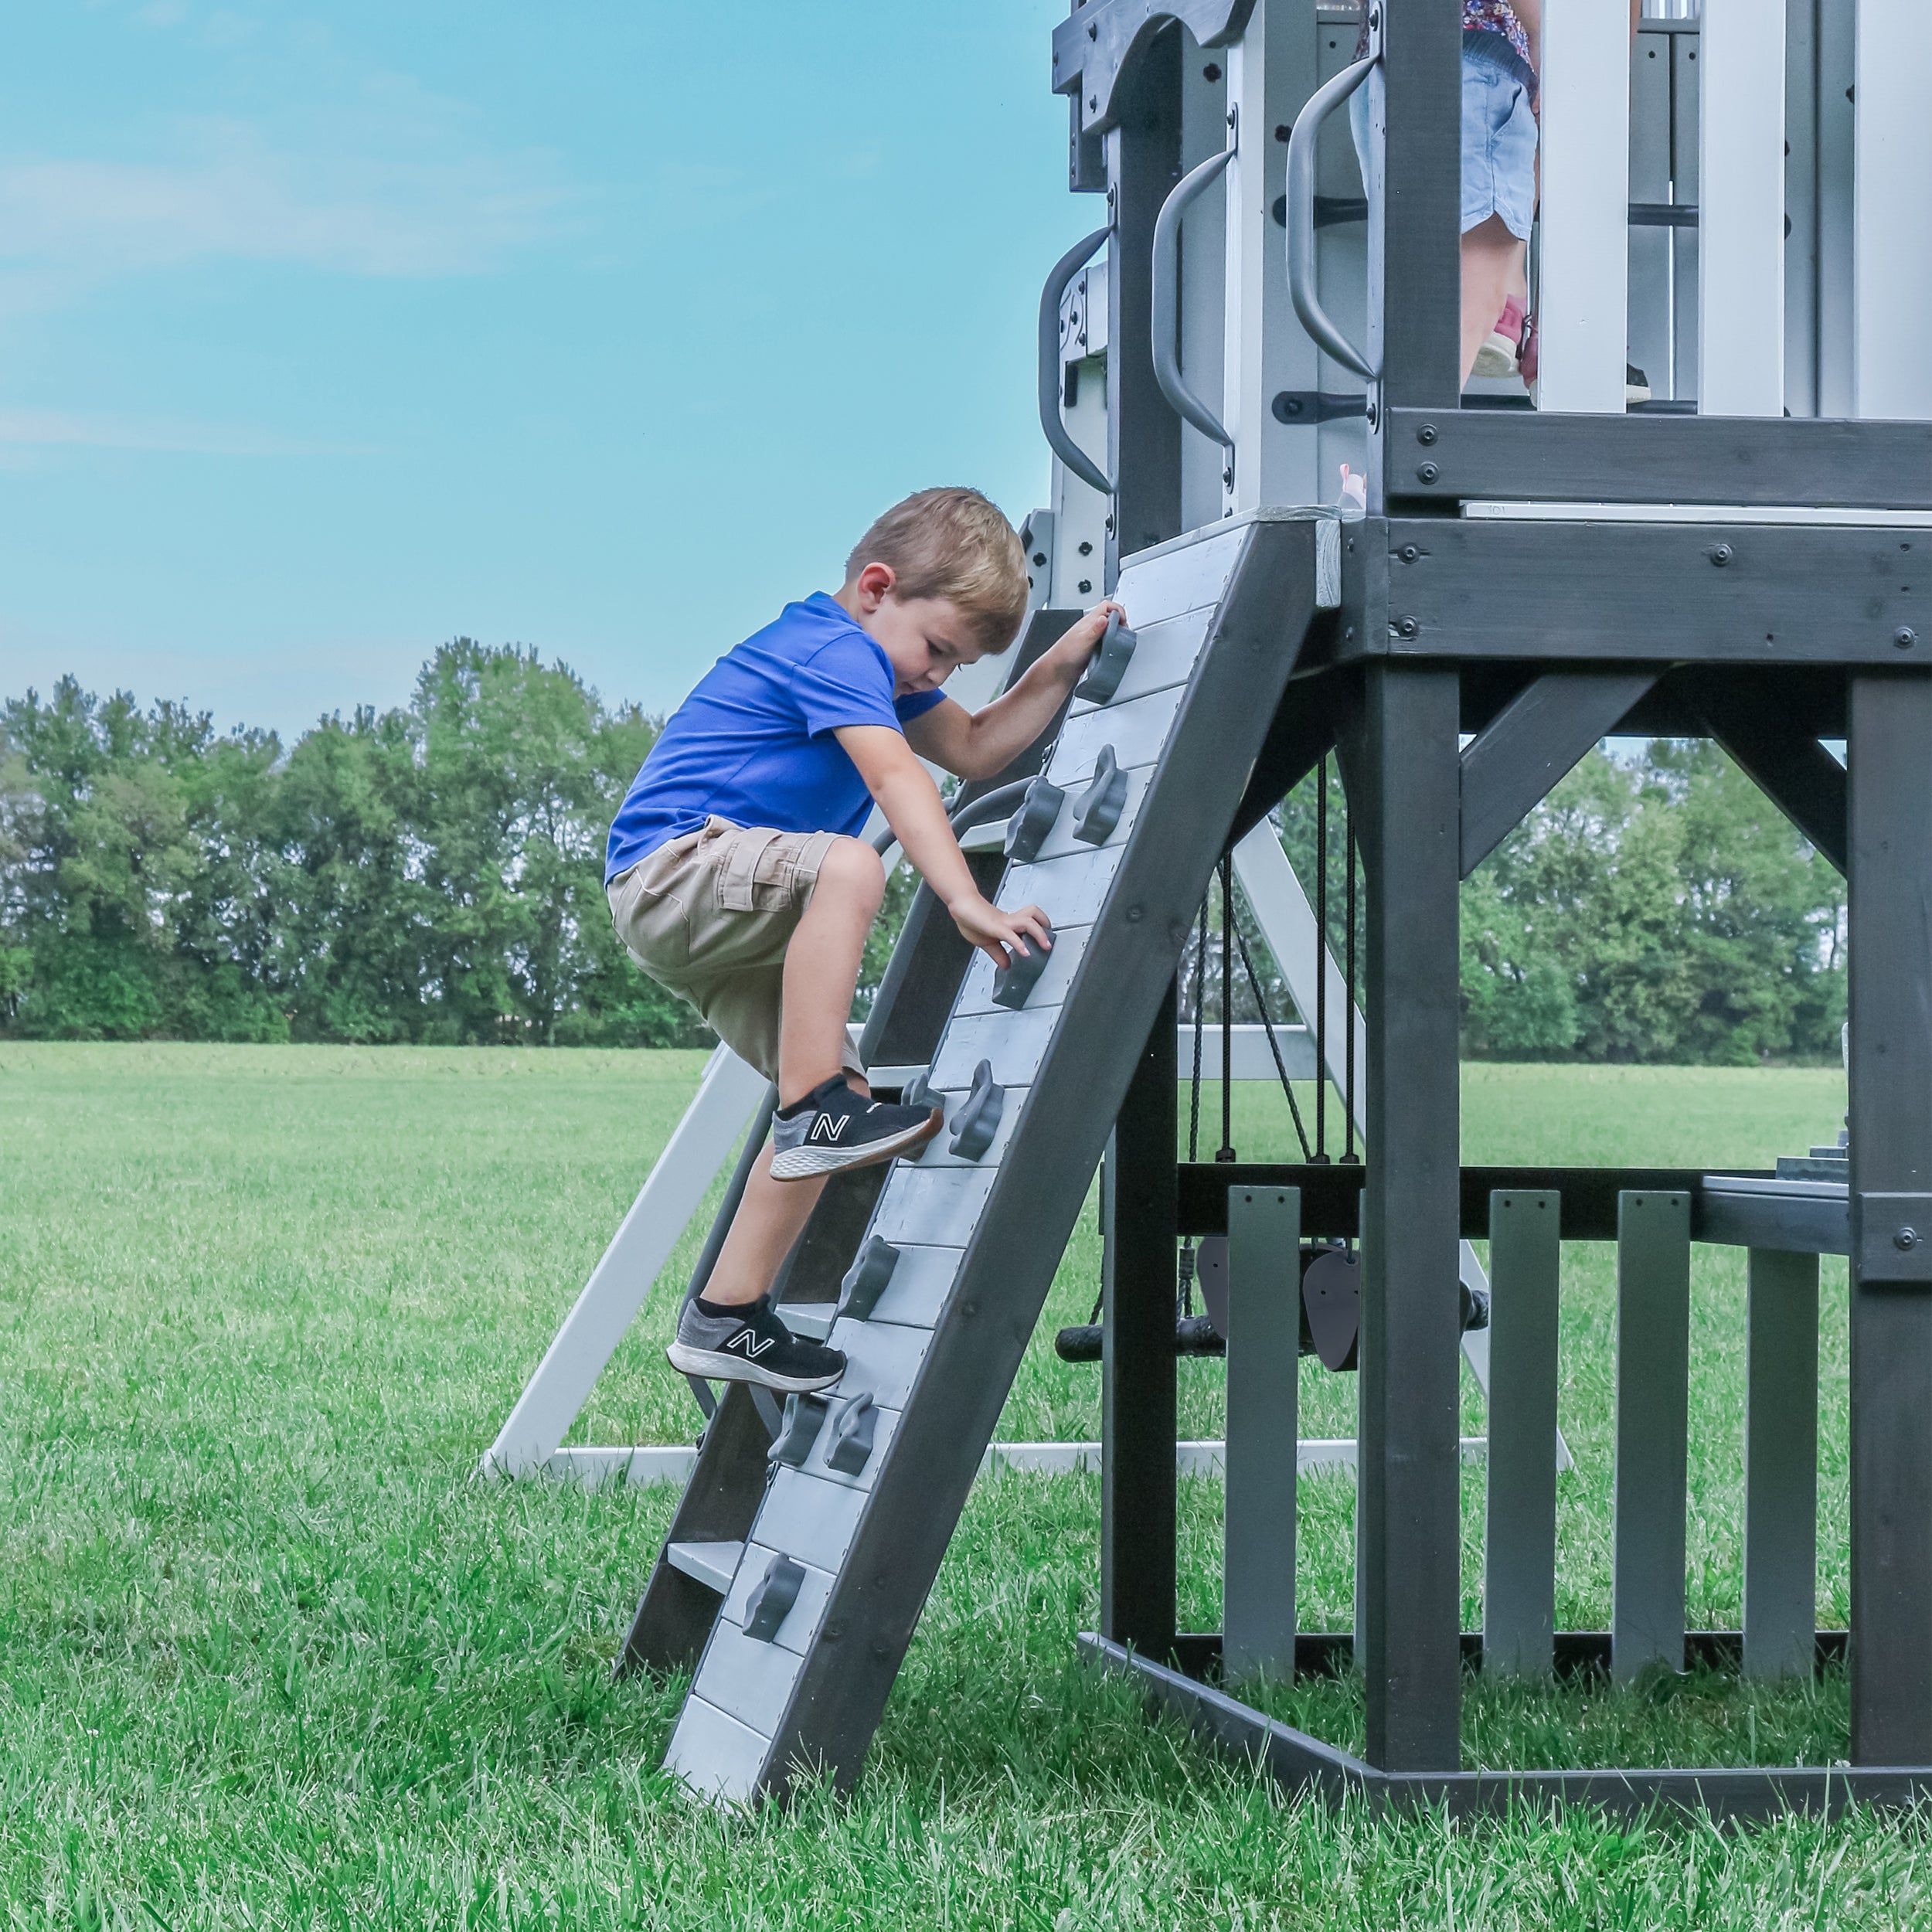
<point>754,744</point>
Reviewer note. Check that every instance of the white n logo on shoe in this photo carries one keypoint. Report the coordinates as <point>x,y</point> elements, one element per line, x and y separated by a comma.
<point>753,1344</point>
<point>828,1126</point>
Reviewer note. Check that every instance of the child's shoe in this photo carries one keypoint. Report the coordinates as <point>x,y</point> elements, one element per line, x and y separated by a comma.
<point>833,1127</point>
<point>1636,384</point>
<point>749,1344</point>
<point>1501,355</point>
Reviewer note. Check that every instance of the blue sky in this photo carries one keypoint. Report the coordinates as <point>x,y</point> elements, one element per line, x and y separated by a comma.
<point>327,333</point>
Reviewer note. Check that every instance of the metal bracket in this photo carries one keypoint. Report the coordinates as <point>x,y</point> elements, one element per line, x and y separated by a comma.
<point>1101,806</point>
<point>772,1597</point>
<point>867,1278</point>
<point>1892,1239</point>
<point>977,1119</point>
<point>1106,668</point>
<point>1298,406</point>
<point>1027,829</point>
<point>851,1436</point>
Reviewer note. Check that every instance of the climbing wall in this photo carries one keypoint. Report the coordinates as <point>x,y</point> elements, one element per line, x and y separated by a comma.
<point>818,1599</point>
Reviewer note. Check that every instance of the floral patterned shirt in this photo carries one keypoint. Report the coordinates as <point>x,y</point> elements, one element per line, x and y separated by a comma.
<point>1480,16</point>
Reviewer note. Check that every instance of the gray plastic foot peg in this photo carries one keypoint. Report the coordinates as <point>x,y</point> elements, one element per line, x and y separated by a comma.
<point>852,1437</point>
<point>804,1416</point>
<point>1026,830</point>
<point>1109,662</point>
<point>1102,803</point>
<point>771,1599</point>
<point>977,1119</point>
<point>918,1091</point>
<point>1012,985</point>
<point>866,1278</point>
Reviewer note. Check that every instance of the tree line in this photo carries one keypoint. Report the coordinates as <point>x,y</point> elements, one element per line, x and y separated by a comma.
<point>433,874</point>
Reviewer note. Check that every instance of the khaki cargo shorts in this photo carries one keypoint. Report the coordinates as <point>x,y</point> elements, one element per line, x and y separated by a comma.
<point>709,916</point>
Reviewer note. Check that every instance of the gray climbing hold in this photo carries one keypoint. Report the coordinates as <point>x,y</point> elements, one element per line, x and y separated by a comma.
<point>977,1119</point>
<point>804,1416</point>
<point>772,1597</point>
<point>1012,985</point>
<point>1026,830</point>
<point>918,1091</point>
<point>851,1436</point>
<point>1109,662</point>
<point>1102,803</point>
<point>866,1278</point>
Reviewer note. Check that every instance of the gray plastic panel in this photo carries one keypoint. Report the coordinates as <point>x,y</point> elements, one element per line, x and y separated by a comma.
<point>1013,1043</point>
<point>808,1518</point>
<point>920,1284</point>
<point>936,1206</point>
<point>937,1152</point>
<point>1136,731</point>
<point>746,1677</point>
<point>882,1359</point>
<point>1069,890</point>
<point>716,1754</point>
<point>1163,655</point>
<point>712,1564</point>
<point>976,995</point>
<point>811,1319</point>
<point>798,1631</point>
<point>1177,577</point>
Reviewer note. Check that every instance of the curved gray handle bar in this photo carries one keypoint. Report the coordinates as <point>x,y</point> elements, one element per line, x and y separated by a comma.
<point>1167,300</point>
<point>1300,217</point>
<point>1062,444</point>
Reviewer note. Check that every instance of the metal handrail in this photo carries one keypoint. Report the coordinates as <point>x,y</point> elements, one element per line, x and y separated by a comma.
<point>1300,211</point>
<point>997,804</point>
<point>1062,445</point>
<point>1167,300</point>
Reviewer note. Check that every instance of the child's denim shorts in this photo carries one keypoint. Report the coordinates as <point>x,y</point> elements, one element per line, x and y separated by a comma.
<point>1498,140</point>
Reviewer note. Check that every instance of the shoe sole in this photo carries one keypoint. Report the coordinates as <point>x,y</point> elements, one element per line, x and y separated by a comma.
<point>807,1163</point>
<point>1495,357</point>
<point>716,1367</point>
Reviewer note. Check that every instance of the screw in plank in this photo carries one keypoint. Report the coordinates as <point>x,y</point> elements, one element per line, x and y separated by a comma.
<point>1428,472</point>
<point>1427,433</point>
<point>1905,1240</point>
<point>1905,637</point>
<point>1409,627</point>
<point>1721,556</point>
<point>1409,553</point>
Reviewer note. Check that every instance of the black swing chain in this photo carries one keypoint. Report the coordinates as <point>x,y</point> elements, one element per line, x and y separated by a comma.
<point>1320,1157</point>
<point>1225,1151</point>
<point>1349,1156</point>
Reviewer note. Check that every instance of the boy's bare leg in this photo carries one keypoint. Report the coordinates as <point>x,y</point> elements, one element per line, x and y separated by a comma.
<point>1493,262</point>
<point>821,969</point>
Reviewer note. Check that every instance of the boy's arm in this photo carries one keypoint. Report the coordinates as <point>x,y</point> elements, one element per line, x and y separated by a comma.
<point>980,744</point>
<point>906,794</point>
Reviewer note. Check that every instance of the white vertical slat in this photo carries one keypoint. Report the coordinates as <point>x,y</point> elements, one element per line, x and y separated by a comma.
<point>1740,260</point>
<point>1892,211</point>
<point>1583,300</point>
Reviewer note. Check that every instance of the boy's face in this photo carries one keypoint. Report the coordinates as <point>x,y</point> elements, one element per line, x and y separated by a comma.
<point>926,638</point>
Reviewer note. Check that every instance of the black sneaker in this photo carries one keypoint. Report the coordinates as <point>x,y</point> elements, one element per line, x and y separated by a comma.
<point>749,1344</point>
<point>831,1128</point>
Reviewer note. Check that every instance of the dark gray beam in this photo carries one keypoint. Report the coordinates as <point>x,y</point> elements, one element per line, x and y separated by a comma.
<point>1098,45</point>
<point>1780,752</point>
<point>1760,594</point>
<point>1402,775</point>
<point>1139,1377</point>
<point>1143,433</point>
<point>1535,740</point>
<point>1441,453</point>
<point>1889,957</point>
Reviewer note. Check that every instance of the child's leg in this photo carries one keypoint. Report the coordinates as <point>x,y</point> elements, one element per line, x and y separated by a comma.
<point>1492,271</point>
<point>821,968</point>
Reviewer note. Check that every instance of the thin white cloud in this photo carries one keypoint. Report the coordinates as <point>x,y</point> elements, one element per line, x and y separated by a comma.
<point>23,429</point>
<point>370,198</point>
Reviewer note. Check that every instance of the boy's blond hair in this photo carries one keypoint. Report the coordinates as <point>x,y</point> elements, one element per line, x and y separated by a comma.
<point>954,544</point>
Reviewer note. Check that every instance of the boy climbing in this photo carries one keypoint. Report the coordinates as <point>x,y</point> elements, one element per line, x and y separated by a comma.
<point>737,880</point>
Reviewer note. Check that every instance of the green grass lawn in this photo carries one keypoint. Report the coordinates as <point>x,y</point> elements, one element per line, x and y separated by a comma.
<point>269,1657</point>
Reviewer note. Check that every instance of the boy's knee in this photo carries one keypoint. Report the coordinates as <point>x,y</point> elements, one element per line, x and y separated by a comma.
<point>855,871</point>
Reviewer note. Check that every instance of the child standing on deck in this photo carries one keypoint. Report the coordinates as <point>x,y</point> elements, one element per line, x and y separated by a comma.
<point>737,880</point>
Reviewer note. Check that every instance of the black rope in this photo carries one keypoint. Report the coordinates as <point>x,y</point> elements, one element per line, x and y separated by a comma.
<point>1268,1026</point>
<point>1320,1157</point>
<point>1200,1008</point>
<point>1226,1151</point>
<point>1348,834</point>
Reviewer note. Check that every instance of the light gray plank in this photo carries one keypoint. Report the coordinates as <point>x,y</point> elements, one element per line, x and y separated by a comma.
<point>938,1206</point>
<point>1519,1534</point>
<point>1060,841</point>
<point>747,1678</point>
<point>1780,1466</point>
<point>1014,1042</point>
<point>881,1361</point>
<point>1069,890</point>
<point>1178,576</point>
<point>808,1518</point>
<point>714,1754</point>
<point>1164,655</point>
<point>937,1152</point>
<point>1070,945</point>
<point>1653,1395</point>
<point>713,1564</point>
<point>796,1631</point>
<point>1137,731</point>
<point>1264,1301</point>
<point>917,1293</point>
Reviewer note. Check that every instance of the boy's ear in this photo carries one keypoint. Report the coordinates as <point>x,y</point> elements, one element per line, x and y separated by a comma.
<point>874,584</point>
